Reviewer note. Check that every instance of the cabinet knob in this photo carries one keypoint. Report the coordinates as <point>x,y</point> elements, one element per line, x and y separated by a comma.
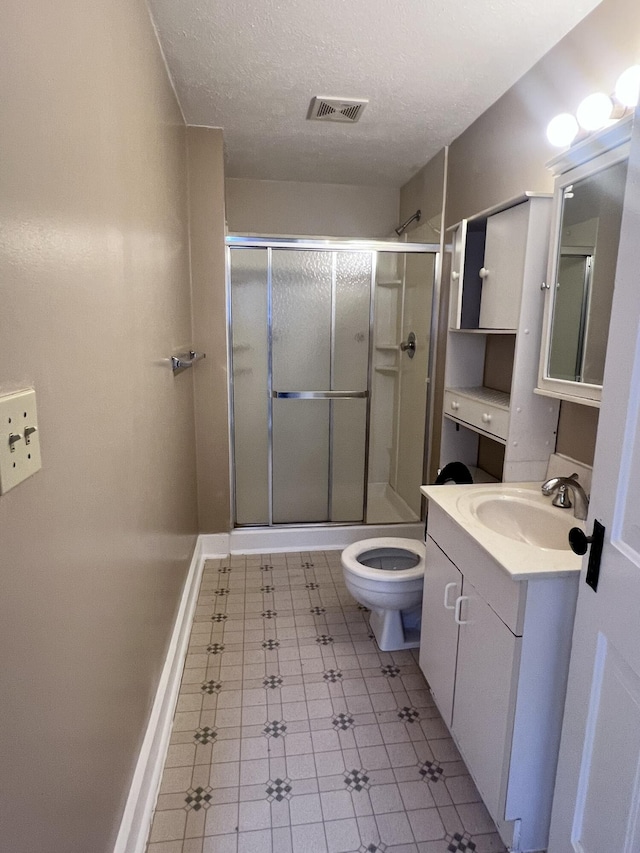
<point>455,406</point>
<point>455,275</point>
<point>484,272</point>
<point>486,418</point>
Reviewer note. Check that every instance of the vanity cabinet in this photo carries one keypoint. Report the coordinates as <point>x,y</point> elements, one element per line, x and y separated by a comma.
<point>495,652</point>
<point>495,321</point>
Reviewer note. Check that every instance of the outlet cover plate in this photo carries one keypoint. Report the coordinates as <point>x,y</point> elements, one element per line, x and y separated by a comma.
<point>17,414</point>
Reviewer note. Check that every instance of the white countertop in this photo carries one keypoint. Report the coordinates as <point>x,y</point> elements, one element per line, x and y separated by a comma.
<point>520,559</point>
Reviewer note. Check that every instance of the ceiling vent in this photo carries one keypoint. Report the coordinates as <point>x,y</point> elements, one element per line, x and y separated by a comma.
<point>336,109</point>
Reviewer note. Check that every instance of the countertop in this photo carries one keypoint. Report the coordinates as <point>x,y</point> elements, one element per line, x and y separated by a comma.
<point>521,560</point>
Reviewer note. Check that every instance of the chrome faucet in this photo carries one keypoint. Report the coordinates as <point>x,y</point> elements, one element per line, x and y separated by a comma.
<point>563,486</point>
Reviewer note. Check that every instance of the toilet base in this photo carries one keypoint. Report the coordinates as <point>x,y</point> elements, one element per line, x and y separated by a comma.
<point>389,631</point>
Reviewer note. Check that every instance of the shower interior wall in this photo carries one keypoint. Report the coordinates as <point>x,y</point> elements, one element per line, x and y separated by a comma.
<point>404,291</point>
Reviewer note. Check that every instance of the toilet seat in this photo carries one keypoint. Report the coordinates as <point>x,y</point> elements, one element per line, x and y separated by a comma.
<point>381,548</point>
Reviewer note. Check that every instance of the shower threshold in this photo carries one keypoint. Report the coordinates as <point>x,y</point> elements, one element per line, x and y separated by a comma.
<point>260,540</point>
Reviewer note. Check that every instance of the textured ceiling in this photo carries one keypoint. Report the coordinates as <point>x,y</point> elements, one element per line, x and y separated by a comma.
<point>428,68</point>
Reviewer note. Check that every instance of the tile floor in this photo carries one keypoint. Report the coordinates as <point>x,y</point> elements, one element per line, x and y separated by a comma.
<point>295,734</point>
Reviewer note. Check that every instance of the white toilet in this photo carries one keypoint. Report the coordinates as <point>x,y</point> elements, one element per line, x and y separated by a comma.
<point>386,575</point>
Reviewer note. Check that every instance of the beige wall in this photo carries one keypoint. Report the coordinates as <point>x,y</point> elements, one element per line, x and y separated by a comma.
<point>323,210</point>
<point>95,297</point>
<point>424,192</point>
<point>504,152</point>
<point>206,208</point>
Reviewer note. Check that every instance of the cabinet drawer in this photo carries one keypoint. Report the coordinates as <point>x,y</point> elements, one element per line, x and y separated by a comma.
<point>478,413</point>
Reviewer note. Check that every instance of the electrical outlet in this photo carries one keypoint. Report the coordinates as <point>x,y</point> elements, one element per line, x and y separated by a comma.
<point>19,439</point>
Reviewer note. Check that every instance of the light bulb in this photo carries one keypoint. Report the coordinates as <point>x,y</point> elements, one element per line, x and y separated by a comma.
<point>562,130</point>
<point>628,86</point>
<point>595,111</point>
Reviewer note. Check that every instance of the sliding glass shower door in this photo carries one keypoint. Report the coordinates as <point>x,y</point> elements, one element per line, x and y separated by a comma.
<point>301,324</point>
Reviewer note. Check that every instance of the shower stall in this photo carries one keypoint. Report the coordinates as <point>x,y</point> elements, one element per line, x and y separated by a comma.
<point>330,351</point>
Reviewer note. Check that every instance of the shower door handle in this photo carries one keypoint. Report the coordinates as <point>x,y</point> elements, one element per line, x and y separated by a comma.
<point>319,395</point>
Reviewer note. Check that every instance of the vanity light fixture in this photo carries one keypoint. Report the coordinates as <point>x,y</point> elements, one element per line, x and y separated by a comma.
<point>596,111</point>
<point>562,130</point>
<point>628,87</point>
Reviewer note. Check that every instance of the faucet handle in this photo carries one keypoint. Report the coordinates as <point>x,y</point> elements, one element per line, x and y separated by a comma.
<point>562,498</point>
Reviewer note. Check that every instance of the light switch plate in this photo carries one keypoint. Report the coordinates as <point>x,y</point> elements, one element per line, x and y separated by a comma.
<point>19,439</point>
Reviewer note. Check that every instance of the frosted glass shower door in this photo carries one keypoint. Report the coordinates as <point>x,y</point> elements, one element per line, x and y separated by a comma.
<point>250,365</point>
<point>320,355</point>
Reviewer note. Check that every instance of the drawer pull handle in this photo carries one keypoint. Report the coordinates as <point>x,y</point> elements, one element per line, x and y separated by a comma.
<point>486,418</point>
<point>484,273</point>
<point>458,609</point>
<point>446,596</point>
<point>455,406</point>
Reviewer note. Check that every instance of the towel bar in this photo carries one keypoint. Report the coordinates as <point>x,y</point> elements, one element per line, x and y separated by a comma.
<point>183,360</point>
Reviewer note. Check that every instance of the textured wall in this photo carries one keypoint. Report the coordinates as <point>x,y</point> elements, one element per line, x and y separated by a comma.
<point>95,295</point>
<point>206,208</point>
<point>322,210</point>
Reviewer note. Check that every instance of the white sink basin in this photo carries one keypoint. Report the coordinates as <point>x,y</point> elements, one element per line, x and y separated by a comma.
<point>521,515</point>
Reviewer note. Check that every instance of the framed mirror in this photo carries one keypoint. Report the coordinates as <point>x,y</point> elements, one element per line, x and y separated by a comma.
<point>588,197</point>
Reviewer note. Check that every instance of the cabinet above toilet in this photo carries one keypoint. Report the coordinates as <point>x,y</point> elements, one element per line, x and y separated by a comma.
<point>495,319</point>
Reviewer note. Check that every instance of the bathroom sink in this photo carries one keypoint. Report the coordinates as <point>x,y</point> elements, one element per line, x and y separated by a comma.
<point>521,515</point>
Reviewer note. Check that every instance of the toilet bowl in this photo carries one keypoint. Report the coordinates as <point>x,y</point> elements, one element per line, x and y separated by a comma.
<point>386,575</point>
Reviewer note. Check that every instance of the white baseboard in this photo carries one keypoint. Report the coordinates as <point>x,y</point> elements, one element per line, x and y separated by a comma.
<point>214,545</point>
<point>138,812</point>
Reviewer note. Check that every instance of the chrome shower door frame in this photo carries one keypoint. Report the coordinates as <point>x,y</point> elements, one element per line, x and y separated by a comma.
<point>371,247</point>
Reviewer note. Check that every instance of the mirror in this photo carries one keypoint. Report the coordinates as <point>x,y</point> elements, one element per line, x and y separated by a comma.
<point>588,213</point>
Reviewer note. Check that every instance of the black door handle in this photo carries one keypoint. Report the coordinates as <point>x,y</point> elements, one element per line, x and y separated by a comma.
<point>579,544</point>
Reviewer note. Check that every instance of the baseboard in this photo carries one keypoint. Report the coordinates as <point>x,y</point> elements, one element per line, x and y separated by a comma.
<point>214,545</point>
<point>138,812</point>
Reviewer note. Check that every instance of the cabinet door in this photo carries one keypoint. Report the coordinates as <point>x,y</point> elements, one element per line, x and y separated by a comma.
<point>457,271</point>
<point>488,658</point>
<point>439,632</point>
<point>503,271</point>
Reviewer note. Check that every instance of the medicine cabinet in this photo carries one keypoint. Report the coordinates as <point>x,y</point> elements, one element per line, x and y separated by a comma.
<point>587,211</point>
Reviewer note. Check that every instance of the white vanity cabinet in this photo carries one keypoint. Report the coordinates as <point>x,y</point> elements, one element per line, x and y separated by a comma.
<point>495,652</point>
